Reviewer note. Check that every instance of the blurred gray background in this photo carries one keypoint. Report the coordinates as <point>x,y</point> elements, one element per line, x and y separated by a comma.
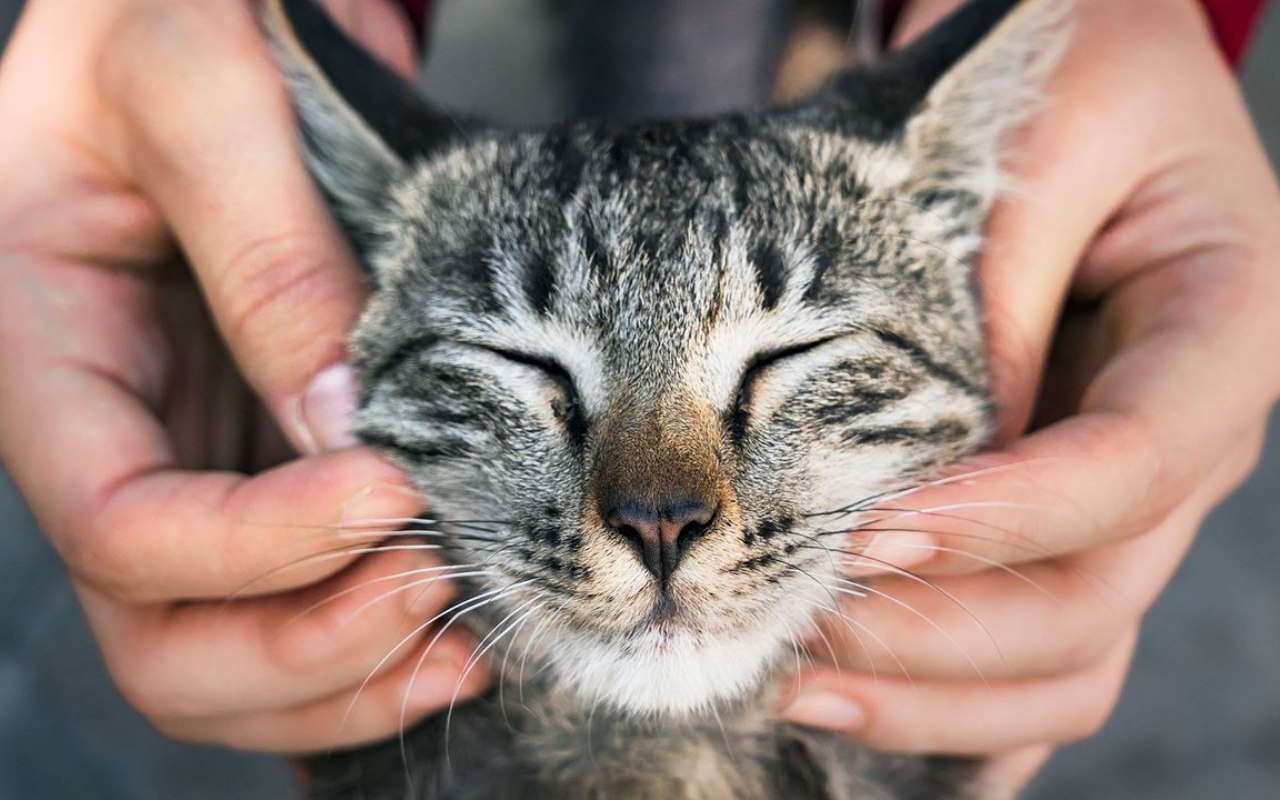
<point>1200,717</point>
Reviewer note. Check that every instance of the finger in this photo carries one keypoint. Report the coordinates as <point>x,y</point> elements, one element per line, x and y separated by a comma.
<point>1006,775</point>
<point>101,478</point>
<point>1038,620</point>
<point>174,535</point>
<point>394,701</point>
<point>209,135</point>
<point>1183,299</point>
<point>968,718</point>
<point>1097,478</point>
<point>1035,620</point>
<point>1101,155</point>
<point>211,659</point>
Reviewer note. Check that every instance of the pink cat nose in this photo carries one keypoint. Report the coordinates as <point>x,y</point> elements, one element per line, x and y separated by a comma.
<point>661,535</point>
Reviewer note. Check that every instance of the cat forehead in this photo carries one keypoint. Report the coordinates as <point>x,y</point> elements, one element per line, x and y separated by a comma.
<point>649,173</point>
<point>724,214</point>
<point>665,257</point>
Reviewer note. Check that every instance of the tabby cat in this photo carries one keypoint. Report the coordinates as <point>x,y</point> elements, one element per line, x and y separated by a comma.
<point>638,369</point>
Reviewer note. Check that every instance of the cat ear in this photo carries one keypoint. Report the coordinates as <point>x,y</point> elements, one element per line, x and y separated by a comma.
<point>952,96</point>
<point>361,123</point>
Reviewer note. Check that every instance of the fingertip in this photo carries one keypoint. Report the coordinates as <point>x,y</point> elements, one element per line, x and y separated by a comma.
<point>427,598</point>
<point>324,416</point>
<point>451,672</point>
<point>891,552</point>
<point>1006,775</point>
<point>380,506</point>
<point>825,708</point>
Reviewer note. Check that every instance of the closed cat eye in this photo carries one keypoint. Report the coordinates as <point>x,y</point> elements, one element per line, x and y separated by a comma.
<point>652,554</point>
<point>770,358</point>
<point>569,410</point>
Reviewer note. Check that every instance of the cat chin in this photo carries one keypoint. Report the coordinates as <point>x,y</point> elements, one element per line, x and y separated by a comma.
<point>668,674</point>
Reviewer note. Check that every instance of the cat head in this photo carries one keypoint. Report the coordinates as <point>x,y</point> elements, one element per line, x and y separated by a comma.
<point>658,360</point>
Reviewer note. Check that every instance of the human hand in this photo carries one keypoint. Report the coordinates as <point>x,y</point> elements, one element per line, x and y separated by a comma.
<point>134,128</point>
<point>1142,198</point>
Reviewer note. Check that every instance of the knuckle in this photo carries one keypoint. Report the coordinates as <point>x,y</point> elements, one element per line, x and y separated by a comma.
<point>103,551</point>
<point>1088,722</point>
<point>1102,685</point>
<point>99,554</point>
<point>1080,652</point>
<point>1089,637</point>
<point>268,273</point>
<point>141,689</point>
<point>139,66</point>
<point>322,637</point>
<point>1083,726</point>
<point>1248,456</point>
<point>1160,477</point>
<point>140,661</point>
<point>191,731</point>
<point>159,696</point>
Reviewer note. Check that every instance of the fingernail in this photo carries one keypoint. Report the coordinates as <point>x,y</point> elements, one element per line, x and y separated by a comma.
<point>328,411</point>
<point>823,709</point>
<point>447,659</point>
<point>890,552</point>
<point>379,508</point>
<point>429,593</point>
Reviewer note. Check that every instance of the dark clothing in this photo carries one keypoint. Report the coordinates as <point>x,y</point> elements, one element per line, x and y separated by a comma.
<point>1232,20</point>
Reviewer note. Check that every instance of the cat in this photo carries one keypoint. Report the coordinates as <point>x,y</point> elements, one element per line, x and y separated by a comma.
<point>646,373</point>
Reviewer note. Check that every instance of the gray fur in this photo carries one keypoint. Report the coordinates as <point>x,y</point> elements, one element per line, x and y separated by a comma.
<point>777,307</point>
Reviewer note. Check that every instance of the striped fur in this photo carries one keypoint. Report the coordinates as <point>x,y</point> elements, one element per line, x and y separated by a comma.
<point>773,310</point>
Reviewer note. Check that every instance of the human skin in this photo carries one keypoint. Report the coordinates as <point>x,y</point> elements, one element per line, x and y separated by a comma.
<point>1143,203</point>
<point>1147,203</point>
<point>128,418</point>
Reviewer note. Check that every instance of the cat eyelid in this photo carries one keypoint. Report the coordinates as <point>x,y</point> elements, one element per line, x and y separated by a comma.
<point>570,412</point>
<point>550,367</point>
<point>763,360</point>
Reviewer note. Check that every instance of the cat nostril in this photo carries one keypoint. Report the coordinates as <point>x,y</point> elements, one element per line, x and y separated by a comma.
<point>631,535</point>
<point>661,536</point>
<point>693,529</point>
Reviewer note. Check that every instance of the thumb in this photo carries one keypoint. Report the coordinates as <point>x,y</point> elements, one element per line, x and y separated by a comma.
<point>210,138</point>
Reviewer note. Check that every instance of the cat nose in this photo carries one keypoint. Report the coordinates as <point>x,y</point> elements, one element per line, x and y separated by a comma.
<point>661,535</point>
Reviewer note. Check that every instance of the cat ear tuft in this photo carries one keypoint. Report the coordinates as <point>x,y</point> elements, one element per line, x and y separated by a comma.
<point>959,134</point>
<point>361,123</point>
<point>952,97</point>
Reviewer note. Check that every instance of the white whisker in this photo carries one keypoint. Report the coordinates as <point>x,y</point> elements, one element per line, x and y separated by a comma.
<point>497,633</point>
<point>412,635</point>
<point>941,631</point>
<point>478,602</point>
<point>372,581</point>
<point>328,555</point>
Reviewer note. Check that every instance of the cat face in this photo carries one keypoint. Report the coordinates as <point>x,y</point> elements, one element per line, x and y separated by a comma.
<point>655,364</point>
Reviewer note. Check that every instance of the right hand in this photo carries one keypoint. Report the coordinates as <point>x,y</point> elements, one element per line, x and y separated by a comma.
<point>136,129</point>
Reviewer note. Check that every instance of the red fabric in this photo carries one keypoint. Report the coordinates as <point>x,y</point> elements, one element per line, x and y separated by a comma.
<point>1232,20</point>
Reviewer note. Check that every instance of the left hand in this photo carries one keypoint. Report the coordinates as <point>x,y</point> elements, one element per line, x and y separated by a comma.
<point>1148,204</point>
